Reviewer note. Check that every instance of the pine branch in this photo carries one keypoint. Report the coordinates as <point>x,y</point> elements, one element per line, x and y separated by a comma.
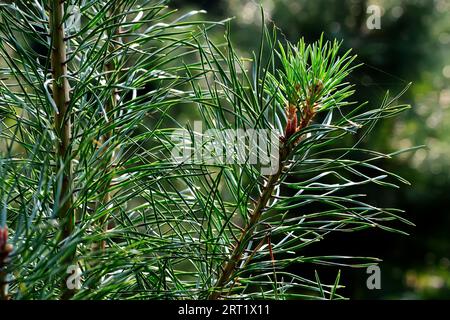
<point>262,204</point>
<point>171,220</point>
<point>111,104</point>
<point>63,127</point>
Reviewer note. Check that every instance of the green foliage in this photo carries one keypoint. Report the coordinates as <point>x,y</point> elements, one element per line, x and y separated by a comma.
<point>314,71</point>
<point>140,225</point>
<point>318,171</point>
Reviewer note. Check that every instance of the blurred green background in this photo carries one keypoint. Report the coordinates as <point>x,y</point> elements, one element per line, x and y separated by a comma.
<point>412,45</point>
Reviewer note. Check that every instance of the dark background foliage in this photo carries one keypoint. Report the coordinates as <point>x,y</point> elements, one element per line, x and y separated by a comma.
<point>413,44</point>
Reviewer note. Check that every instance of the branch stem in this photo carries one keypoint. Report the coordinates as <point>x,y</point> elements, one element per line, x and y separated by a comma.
<point>260,207</point>
<point>63,126</point>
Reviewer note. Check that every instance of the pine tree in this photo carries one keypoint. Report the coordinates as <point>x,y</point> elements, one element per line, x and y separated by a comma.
<point>95,206</point>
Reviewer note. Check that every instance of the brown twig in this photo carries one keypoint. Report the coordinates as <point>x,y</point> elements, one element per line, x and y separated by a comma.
<point>63,126</point>
<point>266,194</point>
